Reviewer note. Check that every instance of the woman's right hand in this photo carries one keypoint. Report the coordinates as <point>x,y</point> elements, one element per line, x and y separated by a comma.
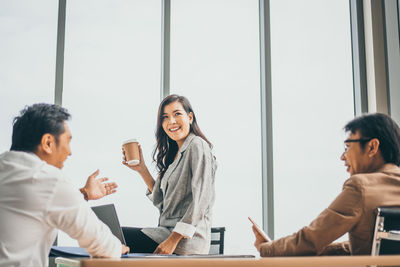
<point>141,167</point>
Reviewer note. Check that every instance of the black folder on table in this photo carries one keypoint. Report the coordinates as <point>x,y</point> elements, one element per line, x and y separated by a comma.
<point>77,252</point>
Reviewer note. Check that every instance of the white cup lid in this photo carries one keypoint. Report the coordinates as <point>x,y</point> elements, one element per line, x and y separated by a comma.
<point>130,141</point>
<point>133,162</point>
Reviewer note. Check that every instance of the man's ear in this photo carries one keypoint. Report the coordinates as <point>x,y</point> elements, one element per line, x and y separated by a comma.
<point>373,147</point>
<point>47,143</point>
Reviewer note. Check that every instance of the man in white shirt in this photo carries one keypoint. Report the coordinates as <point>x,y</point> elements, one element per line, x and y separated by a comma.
<point>36,199</point>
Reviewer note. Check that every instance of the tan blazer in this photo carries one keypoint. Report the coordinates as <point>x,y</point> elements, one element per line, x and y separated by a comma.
<point>353,212</point>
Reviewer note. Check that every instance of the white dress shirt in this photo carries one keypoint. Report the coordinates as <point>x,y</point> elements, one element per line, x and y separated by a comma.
<point>35,201</point>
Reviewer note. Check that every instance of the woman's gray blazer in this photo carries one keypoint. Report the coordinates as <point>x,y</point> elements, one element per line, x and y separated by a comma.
<point>185,196</point>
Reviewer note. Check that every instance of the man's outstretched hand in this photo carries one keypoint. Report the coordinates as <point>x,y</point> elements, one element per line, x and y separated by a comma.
<point>97,188</point>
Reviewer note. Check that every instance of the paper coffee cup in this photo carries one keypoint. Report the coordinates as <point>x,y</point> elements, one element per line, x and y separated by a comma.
<point>131,148</point>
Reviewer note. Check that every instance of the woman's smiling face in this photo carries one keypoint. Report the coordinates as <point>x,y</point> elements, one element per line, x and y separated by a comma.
<point>176,122</point>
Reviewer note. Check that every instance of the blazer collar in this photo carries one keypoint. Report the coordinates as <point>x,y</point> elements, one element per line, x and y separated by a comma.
<point>173,165</point>
<point>388,167</point>
<point>187,142</point>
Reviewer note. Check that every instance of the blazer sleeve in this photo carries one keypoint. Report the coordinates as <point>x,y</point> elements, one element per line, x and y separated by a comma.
<point>202,186</point>
<point>156,196</point>
<point>339,218</point>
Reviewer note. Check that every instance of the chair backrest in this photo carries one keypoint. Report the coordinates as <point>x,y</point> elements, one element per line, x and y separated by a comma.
<point>217,240</point>
<point>387,232</point>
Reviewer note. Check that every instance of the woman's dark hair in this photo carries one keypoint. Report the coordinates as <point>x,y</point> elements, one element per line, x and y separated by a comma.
<point>381,127</point>
<point>166,149</point>
<point>35,121</point>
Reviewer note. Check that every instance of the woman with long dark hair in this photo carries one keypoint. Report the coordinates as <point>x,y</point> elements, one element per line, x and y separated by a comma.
<point>184,189</point>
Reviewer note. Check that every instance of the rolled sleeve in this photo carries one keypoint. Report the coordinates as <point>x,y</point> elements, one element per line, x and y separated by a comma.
<point>156,196</point>
<point>184,229</point>
<point>149,194</point>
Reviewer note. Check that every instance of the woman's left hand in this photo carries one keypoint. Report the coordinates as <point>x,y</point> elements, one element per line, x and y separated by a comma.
<point>169,244</point>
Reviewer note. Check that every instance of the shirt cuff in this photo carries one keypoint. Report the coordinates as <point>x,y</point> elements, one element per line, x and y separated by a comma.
<point>84,193</point>
<point>149,194</point>
<point>266,250</point>
<point>187,230</point>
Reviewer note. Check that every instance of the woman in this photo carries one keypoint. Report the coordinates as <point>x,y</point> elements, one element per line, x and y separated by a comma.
<point>184,189</point>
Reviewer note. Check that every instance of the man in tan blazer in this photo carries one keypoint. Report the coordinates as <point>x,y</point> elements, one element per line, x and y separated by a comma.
<point>372,157</point>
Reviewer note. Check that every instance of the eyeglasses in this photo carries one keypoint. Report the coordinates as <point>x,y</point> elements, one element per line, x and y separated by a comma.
<point>362,140</point>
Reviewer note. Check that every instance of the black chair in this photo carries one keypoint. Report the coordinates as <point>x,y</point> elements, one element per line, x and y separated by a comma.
<point>217,240</point>
<point>386,239</point>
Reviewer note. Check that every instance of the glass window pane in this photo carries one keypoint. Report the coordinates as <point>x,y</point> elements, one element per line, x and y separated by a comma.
<point>28,34</point>
<point>215,63</point>
<point>312,90</point>
<point>112,89</point>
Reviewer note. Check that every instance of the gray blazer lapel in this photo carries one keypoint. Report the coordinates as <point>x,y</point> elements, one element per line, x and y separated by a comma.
<point>174,164</point>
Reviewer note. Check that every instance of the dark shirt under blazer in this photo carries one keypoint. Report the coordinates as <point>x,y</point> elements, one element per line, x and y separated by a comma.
<point>185,196</point>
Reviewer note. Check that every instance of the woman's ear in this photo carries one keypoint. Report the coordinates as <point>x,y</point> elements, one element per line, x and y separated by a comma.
<point>190,117</point>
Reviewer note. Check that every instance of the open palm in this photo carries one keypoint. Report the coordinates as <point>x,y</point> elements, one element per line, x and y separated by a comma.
<point>97,188</point>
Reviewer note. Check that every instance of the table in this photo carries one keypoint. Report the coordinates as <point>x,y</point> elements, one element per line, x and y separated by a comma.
<point>313,261</point>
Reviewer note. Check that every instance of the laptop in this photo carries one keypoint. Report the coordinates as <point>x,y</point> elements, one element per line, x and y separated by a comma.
<point>108,215</point>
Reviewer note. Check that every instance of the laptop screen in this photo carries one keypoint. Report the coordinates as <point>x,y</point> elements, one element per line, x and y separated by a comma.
<point>108,215</point>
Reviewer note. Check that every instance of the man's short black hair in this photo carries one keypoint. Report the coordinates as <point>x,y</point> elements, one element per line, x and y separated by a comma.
<point>383,128</point>
<point>35,121</point>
